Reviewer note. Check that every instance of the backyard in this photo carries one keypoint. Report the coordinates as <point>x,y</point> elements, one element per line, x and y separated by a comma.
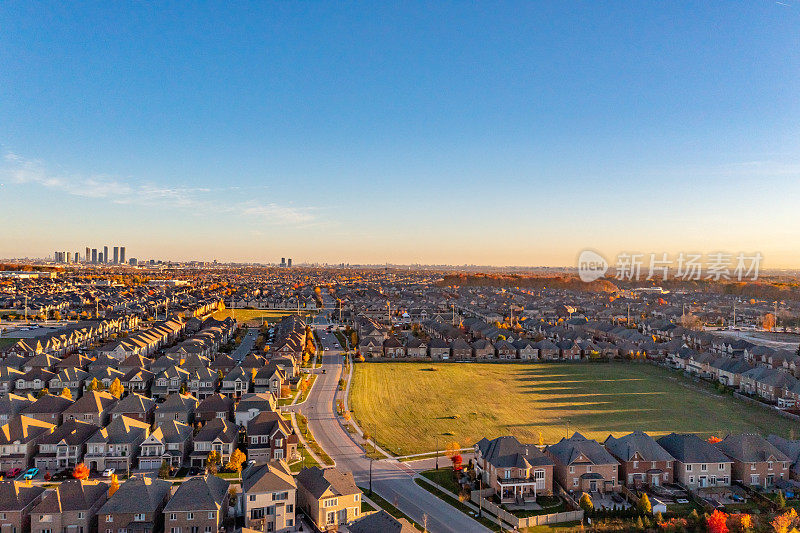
<point>407,407</point>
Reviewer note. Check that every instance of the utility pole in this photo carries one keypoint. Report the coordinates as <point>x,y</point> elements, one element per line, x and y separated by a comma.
<point>629,314</point>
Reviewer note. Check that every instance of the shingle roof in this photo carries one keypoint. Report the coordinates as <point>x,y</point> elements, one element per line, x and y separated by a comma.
<point>750,448</point>
<point>689,448</point>
<point>507,451</point>
<point>381,522</point>
<point>628,446</point>
<point>202,493</point>
<point>273,476</point>
<point>318,480</point>
<point>568,451</point>
<point>138,494</point>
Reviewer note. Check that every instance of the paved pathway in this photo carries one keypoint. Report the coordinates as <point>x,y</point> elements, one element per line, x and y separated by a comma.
<point>390,479</point>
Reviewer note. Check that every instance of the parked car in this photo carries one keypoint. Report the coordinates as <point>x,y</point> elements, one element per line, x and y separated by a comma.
<point>14,472</point>
<point>62,475</point>
<point>108,472</point>
<point>31,473</point>
<point>196,471</point>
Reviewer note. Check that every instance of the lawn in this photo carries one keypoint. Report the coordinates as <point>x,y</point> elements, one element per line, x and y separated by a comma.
<point>405,406</point>
<point>257,316</point>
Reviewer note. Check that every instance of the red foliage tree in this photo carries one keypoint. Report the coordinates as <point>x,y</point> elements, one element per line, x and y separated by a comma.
<point>81,471</point>
<point>457,462</point>
<point>717,522</point>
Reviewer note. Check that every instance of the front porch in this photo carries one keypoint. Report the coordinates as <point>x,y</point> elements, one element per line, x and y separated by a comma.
<point>517,491</point>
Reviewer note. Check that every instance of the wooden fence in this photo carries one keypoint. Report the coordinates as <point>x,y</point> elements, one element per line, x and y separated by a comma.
<point>510,518</point>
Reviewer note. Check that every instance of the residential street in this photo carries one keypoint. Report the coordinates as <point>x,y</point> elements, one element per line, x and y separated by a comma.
<point>246,346</point>
<point>390,479</point>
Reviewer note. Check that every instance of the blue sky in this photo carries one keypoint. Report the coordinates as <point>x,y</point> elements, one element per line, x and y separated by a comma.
<point>488,133</point>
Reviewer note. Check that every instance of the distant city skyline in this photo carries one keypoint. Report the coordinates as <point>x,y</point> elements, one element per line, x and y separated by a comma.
<point>489,134</point>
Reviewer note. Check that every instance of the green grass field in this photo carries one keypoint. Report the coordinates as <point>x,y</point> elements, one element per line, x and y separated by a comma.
<point>405,406</point>
<point>257,316</point>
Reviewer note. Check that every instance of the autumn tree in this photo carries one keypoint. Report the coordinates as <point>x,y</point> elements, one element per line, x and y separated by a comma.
<point>235,462</point>
<point>744,522</point>
<point>116,389</point>
<point>93,385</point>
<point>717,522</point>
<point>212,461</point>
<point>183,390</point>
<point>783,522</point>
<point>43,392</point>
<point>586,502</point>
<point>285,391</point>
<point>714,439</point>
<point>780,500</point>
<point>114,486</point>
<point>81,471</point>
<point>66,393</point>
<point>768,322</point>
<point>644,504</point>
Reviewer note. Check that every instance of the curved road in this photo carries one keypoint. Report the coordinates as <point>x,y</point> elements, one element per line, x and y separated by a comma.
<point>390,479</point>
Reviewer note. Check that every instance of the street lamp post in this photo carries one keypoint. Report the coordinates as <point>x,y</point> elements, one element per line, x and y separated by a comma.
<point>437,451</point>
<point>370,475</point>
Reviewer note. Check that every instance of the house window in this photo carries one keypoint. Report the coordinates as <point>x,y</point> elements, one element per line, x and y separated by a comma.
<point>589,468</point>
<point>173,516</point>
<point>722,466</point>
<point>109,518</point>
<point>252,497</point>
<point>253,440</point>
<point>703,467</point>
<point>691,479</point>
<point>574,482</point>
<point>189,516</point>
<point>752,466</point>
<point>330,502</point>
<point>257,514</point>
<point>688,468</point>
<point>138,517</point>
<point>211,515</point>
<point>572,470</point>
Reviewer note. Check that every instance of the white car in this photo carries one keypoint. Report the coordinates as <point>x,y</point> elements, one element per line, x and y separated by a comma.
<point>108,472</point>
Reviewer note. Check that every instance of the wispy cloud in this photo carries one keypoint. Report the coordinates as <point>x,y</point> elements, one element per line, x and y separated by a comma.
<point>19,170</point>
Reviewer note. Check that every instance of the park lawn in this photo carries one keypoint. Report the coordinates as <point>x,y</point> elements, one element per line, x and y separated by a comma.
<point>258,316</point>
<point>406,406</point>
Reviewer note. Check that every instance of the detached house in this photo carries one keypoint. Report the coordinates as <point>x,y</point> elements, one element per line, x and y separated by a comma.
<point>698,463</point>
<point>199,505</point>
<point>170,442</point>
<point>219,436</point>
<point>518,472</point>
<point>93,407</point>
<point>180,407</point>
<point>584,465</point>
<point>251,404</point>
<point>328,496</point>
<point>269,494</point>
<point>18,440</point>
<point>270,438</point>
<point>71,507</point>
<point>642,460</point>
<point>755,460</point>
<point>116,446</point>
<point>16,503</point>
<point>136,507</point>
<point>65,446</point>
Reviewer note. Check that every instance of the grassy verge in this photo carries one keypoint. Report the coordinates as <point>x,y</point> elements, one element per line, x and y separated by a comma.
<point>455,503</point>
<point>302,423</point>
<point>306,462</point>
<point>443,477</point>
<point>389,508</point>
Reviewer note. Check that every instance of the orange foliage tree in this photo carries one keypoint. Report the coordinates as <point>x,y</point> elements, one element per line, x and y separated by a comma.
<point>81,471</point>
<point>783,522</point>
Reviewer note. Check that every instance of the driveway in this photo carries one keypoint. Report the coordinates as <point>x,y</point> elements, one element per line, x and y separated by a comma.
<point>390,479</point>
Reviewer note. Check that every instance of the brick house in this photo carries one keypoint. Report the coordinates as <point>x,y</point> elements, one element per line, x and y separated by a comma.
<point>19,438</point>
<point>72,506</point>
<point>584,465</point>
<point>698,463</point>
<point>199,505</point>
<point>642,460</point>
<point>64,447</point>
<point>270,438</point>
<point>16,502</point>
<point>136,507</point>
<point>518,472</point>
<point>756,461</point>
